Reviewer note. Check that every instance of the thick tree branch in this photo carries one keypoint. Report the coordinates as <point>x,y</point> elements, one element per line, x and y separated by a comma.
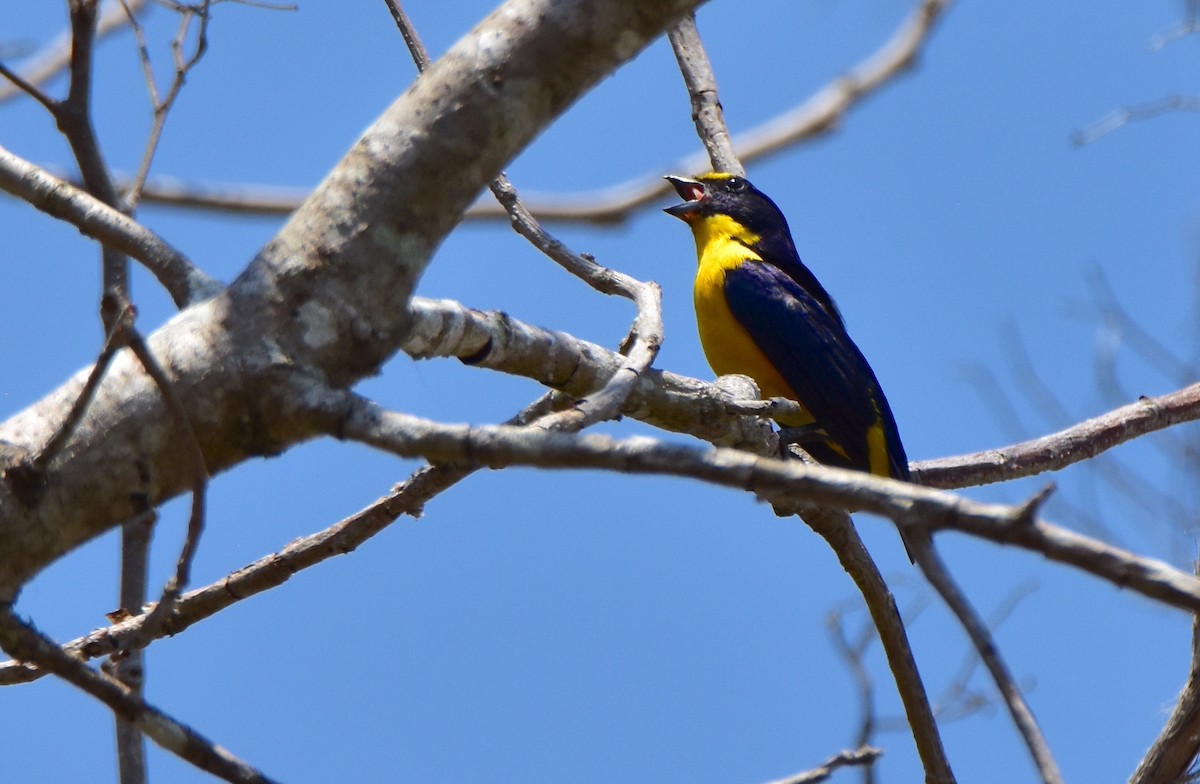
<point>656,395</point>
<point>646,334</point>
<point>500,342</point>
<point>324,302</point>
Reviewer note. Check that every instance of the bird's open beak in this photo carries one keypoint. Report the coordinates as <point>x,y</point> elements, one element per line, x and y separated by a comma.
<point>692,191</point>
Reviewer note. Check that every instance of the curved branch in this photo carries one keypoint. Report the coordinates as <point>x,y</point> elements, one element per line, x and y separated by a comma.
<point>344,415</point>
<point>21,641</point>
<point>935,571</point>
<point>186,283</point>
<point>836,528</point>
<point>1059,450</point>
<point>1177,746</point>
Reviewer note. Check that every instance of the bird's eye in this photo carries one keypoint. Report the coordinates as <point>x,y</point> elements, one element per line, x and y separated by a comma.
<point>737,184</point>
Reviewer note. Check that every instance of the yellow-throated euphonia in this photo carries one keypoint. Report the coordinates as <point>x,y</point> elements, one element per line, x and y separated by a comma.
<point>763,314</point>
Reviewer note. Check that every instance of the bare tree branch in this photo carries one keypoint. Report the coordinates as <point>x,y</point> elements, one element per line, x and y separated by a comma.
<point>835,527</point>
<point>862,756</point>
<point>324,301</point>
<point>347,416</point>
<point>1188,26</point>
<point>939,577</point>
<point>54,58</point>
<point>702,89</point>
<point>129,666</point>
<point>499,342</point>
<point>271,571</point>
<point>817,116</point>
<point>1174,751</point>
<point>183,65</point>
<point>646,334</point>
<point>1058,450</point>
<point>185,282</point>
<point>185,438</point>
<point>1119,118</point>
<point>25,643</point>
<point>852,653</point>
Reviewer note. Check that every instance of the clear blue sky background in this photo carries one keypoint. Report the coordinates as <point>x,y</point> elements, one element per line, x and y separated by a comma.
<point>598,628</point>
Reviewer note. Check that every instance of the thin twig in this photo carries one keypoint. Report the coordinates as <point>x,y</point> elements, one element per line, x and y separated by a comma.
<point>1124,480</point>
<point>819,115</point>
<point>199,477</point>
<point>956,699</point>
<point>1074,444</point>
<point>23,642</point>
<point>1119,118</point>
<point>74,117</point>
<point>28,88</point>
<point>1189,25</point>
<point>835,527</point>
<point>408,31</point>
<point>114,341</point>
<point>935,571</point>
<point>128,667</point>
<point>645,335</point>
<point>865,756</point>
<point>162,106</point>
<point>53,58</point>
<point>852,653</point>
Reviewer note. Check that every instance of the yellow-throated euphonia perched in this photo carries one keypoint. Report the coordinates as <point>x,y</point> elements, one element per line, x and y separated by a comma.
<point>763,314</point>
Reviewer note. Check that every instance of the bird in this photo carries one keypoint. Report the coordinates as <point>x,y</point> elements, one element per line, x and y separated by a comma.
<point>762,313</point>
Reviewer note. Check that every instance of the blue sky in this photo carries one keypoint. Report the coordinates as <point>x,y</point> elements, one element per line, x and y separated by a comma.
<point>591,627</point>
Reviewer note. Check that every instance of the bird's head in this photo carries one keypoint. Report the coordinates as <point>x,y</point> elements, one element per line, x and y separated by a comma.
<point>721,193</point>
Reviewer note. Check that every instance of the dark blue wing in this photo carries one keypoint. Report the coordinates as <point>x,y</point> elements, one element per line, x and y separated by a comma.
<point>810,348</point>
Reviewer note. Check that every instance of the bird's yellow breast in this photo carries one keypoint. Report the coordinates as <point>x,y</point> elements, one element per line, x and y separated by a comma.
<point>723,244</point>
